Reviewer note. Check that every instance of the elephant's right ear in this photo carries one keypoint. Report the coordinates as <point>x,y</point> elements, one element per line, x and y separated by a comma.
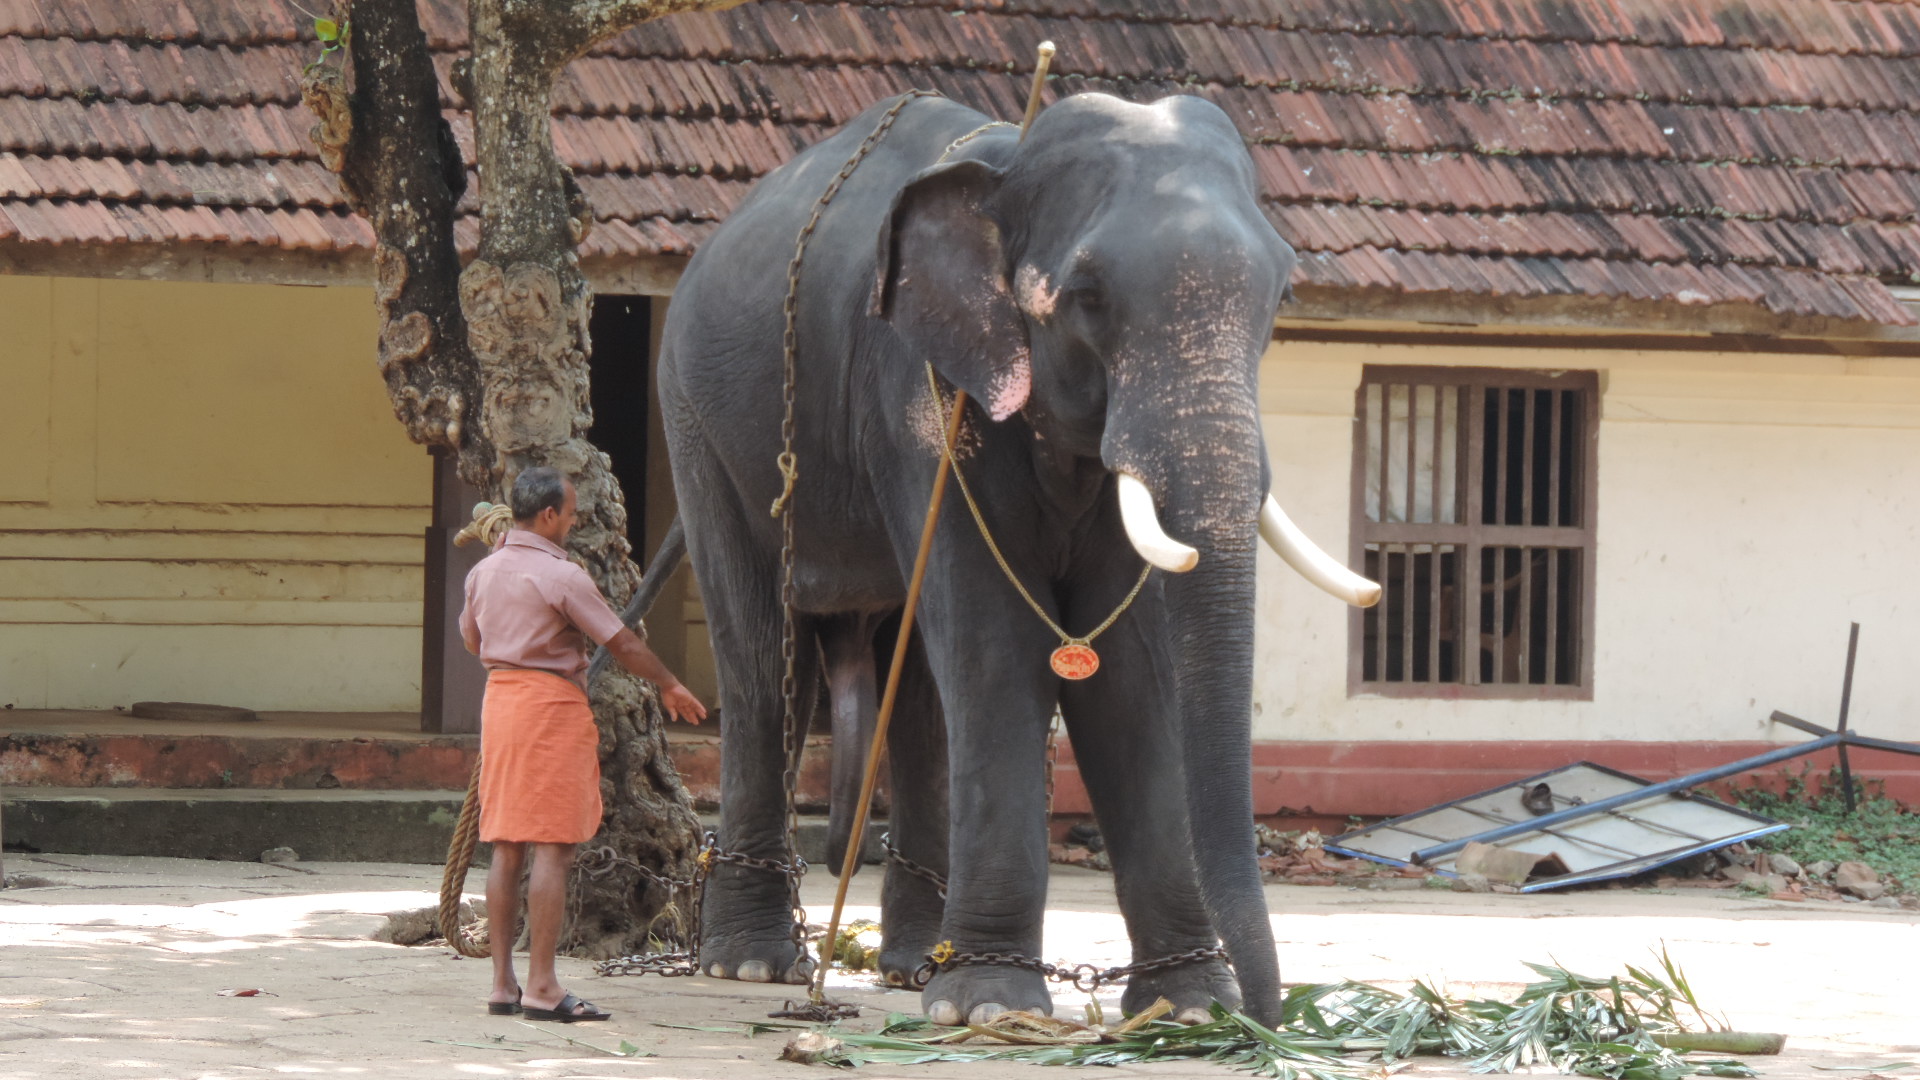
<point>941,281</point>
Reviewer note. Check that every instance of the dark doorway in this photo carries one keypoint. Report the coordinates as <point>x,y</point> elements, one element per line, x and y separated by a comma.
<point>622,329</point>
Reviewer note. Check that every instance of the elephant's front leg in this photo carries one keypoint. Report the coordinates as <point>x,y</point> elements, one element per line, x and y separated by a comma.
<point>997,694</point>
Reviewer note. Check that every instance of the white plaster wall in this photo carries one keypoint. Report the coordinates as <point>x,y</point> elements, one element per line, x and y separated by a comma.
<point>1750,506</point>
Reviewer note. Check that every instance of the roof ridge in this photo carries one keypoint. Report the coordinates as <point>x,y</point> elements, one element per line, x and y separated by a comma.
<point>1583,155</point>
<point>1492,250</point>
<point>1766,161</point>
<point>1185,17</point>
<point>302,32</point>
<point>736,57</point>
<point>1845,301</point>
<point>1679,213</point>
<point>339,209</point>
<point>1592,256</point>
<point>103,99</point>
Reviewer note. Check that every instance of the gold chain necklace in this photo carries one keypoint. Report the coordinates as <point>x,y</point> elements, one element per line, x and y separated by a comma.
<point>1075,658</point>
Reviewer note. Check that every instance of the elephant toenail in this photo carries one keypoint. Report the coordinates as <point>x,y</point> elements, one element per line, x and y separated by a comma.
<point>985,1011</point>
<point>895,978</point>
<point>1190,1017</point>
<point>944,1013</point>
<point>756,971</point>
<point>717,970</point>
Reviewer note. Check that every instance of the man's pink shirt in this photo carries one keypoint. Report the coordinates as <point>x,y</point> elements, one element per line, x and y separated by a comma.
<point>528,607</point>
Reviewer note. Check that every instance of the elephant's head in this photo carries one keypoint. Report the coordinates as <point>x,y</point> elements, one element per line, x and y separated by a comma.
<point>1113,279</point>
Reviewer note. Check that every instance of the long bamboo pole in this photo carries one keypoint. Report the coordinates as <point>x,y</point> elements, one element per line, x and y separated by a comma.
<point>879,746</point>
<point>878,749</point>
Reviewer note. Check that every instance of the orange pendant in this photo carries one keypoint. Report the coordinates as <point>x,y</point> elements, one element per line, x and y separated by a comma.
<point>1075,661</point>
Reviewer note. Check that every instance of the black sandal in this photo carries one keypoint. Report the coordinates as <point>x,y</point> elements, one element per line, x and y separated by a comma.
<point>565,1012</point>
<point>503,1008</point>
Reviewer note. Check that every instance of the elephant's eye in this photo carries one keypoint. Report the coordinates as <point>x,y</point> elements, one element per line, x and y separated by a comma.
<point>1084,292</point>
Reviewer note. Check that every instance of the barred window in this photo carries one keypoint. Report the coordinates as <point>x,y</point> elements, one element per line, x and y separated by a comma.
<point>1473,507</point>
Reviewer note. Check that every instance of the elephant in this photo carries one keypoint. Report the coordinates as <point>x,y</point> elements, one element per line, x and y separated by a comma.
<point>1102,288</point>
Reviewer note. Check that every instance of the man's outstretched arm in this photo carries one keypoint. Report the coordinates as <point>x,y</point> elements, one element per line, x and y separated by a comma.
<point>634,655</point>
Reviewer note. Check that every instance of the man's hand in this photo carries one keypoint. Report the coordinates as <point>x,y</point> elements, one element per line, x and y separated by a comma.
<point>634,655</point>
<point>681,704</point>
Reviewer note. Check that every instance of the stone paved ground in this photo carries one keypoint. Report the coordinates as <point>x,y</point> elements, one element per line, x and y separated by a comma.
<point>116,971</point>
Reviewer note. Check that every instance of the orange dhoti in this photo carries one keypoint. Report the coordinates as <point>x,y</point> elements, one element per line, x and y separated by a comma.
<point>539,760</point>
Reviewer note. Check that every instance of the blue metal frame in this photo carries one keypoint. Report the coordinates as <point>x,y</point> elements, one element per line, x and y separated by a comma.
<point>1765,826</point>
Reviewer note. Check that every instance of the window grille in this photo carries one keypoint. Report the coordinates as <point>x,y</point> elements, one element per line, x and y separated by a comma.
<point>1473,507</point>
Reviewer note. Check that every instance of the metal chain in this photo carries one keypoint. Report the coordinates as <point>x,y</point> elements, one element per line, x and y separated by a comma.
<point>969,137</point>
<point>1053,753</point>
<point>1083,977</point>
<point>793,740</point>
<point>926,873</point>
<point>600,861</point>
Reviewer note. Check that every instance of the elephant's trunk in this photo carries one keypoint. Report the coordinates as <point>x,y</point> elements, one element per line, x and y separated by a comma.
<point>1211,610</point>
<point>1206,488</point>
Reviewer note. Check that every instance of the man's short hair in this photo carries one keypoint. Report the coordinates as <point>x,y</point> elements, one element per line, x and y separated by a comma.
<point>542,487</point>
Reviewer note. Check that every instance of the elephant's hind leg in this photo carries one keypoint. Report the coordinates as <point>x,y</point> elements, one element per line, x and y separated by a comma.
<point>746,912</point>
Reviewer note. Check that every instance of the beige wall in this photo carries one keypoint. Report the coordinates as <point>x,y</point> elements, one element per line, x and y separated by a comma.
<point>204,496</point>
<point>1750,506</point>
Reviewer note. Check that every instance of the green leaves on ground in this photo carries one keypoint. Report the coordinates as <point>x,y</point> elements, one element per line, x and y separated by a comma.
<point>1879,832</point>
<point>1348,1030</point>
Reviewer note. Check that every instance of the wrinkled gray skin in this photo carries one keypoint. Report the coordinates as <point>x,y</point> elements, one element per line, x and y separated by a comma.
<point>1103,293</point>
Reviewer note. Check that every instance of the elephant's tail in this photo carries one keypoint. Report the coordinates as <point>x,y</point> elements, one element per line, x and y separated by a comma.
<point>665,561</point>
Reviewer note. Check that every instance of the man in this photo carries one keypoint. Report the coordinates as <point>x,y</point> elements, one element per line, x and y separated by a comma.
<point>528,615</point>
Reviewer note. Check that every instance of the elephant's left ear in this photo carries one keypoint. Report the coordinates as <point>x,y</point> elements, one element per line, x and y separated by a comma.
<point>941,281</point>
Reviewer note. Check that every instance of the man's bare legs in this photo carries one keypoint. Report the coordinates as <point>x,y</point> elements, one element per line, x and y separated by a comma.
<point>546,911</point>
<point>503,916</point>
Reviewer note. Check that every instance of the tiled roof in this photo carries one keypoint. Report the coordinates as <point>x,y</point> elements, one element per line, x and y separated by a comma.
<point>1757,151</point>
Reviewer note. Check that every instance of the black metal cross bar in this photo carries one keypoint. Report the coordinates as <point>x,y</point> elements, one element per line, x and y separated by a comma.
<point>1839,738</point>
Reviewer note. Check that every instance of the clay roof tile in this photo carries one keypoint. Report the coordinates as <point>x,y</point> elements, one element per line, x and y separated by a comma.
<point>1756,151</point>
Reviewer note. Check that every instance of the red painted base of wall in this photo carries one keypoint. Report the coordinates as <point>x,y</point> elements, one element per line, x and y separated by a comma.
<point>1295,785</point>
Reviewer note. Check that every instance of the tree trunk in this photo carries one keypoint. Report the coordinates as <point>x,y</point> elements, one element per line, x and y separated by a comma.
<point>491,361</point>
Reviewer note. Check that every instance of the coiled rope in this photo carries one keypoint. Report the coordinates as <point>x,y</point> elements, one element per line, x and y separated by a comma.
<point>490,522</point>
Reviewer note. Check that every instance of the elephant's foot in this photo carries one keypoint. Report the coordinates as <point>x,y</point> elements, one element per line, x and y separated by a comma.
<point>910,921</point>
<point>903,952</point>
<point>1191,989</point>
<point>746,930</point>
<point>975,993</point>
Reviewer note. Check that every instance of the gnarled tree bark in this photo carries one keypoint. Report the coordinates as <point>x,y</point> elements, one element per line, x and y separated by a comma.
<point>490,361</point>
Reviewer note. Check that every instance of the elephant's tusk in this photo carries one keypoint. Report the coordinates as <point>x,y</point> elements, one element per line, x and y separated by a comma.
<point>1143,528</point>
<point>1313,564</point>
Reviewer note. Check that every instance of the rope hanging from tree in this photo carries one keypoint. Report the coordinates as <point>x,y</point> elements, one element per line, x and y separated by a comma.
<point>490,522</point>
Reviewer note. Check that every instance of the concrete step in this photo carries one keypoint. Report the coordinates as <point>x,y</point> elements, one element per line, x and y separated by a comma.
<point>238,825</point>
